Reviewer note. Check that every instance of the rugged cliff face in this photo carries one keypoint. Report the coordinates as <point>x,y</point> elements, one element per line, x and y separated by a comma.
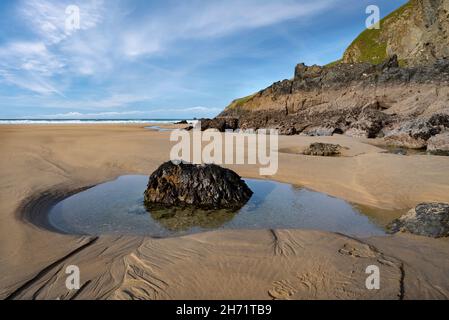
<point>418,33</point>
<point>360,99</point>
<point>391,99</point>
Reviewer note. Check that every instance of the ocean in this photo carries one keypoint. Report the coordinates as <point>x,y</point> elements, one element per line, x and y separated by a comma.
<point>89,121</point>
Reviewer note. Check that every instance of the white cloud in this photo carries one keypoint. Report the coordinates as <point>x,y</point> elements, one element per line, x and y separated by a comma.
<point>47,18</point>
<point>30,66</point>
<point>34,65</point>
<point>30,56</point>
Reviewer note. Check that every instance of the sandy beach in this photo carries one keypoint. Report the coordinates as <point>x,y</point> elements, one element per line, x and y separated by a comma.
<point>260,264</point>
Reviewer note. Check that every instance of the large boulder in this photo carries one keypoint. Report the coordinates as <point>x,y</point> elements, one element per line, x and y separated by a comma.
<point>427,219</point>
<point>439,144</point>
<point>200,186</point>
<point>323,149</point>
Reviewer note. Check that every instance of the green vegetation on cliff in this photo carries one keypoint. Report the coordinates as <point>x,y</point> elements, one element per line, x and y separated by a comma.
<point>371,45</point>
<point>240,102</point>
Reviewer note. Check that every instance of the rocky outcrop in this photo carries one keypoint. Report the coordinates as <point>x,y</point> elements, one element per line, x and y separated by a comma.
<point>220,123</point>
<point>418,33</point>
<point>319,131</point>
<point>323,149</point>
<point>427,219</point>
<point>200,186</point>
<point>361,100</point>
<point>369,122</point>
<point>439,144</point>
<point>414,134</point>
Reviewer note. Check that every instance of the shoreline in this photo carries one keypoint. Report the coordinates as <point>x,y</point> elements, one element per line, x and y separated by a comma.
<point>35,159</point>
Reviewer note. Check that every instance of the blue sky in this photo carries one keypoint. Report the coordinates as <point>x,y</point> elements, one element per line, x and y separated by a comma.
<point>162,59</point>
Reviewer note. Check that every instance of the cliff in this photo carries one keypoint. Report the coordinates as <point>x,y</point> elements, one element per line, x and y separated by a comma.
<point>395,99</point>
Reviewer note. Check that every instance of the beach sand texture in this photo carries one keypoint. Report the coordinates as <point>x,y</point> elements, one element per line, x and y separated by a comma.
<point>260,264</point>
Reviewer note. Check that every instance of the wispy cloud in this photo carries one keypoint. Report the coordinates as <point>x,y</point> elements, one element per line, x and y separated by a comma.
<point>34,65</point>
<point>208,19</point>
<point>29,81</point>
<point>47,18</point>
<point>29,65</point>
<point>112,61</point>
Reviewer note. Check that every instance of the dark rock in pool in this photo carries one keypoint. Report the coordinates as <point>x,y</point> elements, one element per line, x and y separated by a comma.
<point>427,219</point>
<point>182,122</point>
<point>199,186</point>
<point>323,149</point>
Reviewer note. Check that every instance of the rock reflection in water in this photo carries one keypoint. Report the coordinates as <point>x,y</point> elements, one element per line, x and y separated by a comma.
<point>182,219</point>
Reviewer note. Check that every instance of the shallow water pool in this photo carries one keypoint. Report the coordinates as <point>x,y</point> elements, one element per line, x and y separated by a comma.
<point>116,207</point>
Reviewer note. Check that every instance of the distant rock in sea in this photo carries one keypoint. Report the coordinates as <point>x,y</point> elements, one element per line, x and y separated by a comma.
<point>201,186</point>
<point>427,219</point>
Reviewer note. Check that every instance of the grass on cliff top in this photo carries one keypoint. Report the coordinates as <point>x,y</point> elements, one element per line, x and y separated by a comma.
<point>372,48</point>
<point>237,103</point>
<point>334,63</point>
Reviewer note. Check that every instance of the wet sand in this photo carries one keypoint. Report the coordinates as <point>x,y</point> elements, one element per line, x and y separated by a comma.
<point>57,160</point>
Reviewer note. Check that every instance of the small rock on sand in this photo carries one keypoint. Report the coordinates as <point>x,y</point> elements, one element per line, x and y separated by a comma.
<point>427,219</point>
<point>323,149</point>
